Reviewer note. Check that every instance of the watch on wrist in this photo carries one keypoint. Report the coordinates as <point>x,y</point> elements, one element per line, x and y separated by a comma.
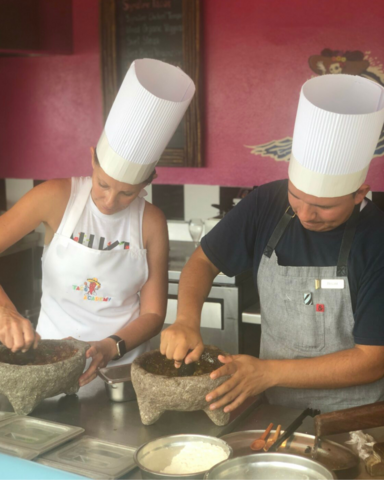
<point>120,345</point>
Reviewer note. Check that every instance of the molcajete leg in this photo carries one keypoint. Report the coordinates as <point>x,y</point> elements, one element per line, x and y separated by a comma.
<point>218,417</point>
<point>149,413</point>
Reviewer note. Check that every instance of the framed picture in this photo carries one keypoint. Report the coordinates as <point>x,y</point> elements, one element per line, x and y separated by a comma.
<point>167,30</point>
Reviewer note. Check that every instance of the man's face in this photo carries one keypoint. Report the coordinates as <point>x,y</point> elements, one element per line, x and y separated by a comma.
<point>323,214</point>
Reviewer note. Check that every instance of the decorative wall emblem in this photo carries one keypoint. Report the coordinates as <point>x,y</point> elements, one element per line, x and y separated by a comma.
<point>329,62</point>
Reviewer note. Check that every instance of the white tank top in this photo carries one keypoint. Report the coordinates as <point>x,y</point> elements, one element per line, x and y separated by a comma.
<point>89,293</point>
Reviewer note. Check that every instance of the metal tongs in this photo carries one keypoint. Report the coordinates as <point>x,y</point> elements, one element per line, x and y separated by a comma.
<point>293,427</point>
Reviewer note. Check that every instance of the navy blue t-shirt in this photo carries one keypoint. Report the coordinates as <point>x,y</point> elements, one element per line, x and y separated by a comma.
<point>237,243</point>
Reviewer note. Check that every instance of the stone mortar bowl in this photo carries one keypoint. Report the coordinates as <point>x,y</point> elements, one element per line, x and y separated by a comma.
<point>157,393</point>
<point>26,384</point>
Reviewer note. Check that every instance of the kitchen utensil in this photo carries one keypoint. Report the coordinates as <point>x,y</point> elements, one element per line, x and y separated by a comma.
<point>330,454</point>
<point>269,466</point>
<point>273,439</point>
<point>293,427</point>
<point>350,419</point>
<point>155,456</point>
<point>259,443</point>
<point>118,383</point>
<point>375,462</point>
<point>92,458</point>
<point>196,226</point>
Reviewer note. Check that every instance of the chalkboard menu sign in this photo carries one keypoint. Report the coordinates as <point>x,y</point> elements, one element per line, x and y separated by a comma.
<point>167,30</point>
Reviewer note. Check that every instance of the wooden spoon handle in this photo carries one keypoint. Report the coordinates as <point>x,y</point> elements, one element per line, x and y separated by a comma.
<point>266,433</point>
<point>276,434</point>
<point>350,419</point>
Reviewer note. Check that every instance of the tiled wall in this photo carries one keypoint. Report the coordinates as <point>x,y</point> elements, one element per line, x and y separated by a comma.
<point>180,203</point>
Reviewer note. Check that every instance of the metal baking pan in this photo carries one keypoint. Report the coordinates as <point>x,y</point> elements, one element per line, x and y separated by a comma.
<point>330,454</point>
<point>35,434</point>
<point>91,457</point>
<point>118,383</point>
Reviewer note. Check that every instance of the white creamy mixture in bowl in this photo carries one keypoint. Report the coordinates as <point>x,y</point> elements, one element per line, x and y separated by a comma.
<point>181,456</point>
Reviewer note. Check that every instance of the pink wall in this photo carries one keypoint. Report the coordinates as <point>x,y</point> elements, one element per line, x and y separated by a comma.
<point>255,60</point>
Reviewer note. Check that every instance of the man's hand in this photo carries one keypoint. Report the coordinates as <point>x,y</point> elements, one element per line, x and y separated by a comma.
<point>16,332</point>
<point>248,378</point>
<point>101,352</point>
<point>177,340</point>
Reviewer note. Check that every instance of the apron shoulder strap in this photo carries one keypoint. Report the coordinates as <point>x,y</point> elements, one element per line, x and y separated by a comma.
<point>278,232</point>
<point>136,223</point>
<point>81,188</point>
<point>346,243</point>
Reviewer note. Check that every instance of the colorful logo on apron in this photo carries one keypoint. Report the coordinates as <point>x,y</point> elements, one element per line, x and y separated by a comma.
<point>90,288</point>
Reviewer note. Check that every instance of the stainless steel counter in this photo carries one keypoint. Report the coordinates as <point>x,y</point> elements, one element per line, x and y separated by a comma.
<point>120,422</point>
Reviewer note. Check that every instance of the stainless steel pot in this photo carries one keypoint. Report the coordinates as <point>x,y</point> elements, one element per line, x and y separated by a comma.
<point>270,466</point>
<point>154,456</point>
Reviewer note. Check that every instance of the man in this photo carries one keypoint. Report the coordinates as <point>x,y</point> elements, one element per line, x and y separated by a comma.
<point>316,249</point>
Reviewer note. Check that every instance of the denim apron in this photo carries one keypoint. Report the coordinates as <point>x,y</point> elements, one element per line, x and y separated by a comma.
<point>299,319</point>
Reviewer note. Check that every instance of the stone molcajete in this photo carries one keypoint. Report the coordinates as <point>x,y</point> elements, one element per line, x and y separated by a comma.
<point>53,368</point>
<point>160,386</point>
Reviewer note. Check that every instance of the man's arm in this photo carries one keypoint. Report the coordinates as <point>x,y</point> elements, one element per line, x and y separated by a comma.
<point>195,284</point>
<point>250,376</point>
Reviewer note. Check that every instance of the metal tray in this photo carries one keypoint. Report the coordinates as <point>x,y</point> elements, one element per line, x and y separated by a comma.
<point>21,452</point>
<point>330,454</point>
<point>35,434</point>
<point>92,457</point>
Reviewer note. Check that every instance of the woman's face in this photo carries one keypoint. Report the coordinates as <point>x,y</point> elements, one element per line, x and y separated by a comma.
<point>109,195</point>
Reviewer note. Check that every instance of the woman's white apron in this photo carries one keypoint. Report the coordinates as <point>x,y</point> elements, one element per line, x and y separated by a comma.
<point>90,294</point>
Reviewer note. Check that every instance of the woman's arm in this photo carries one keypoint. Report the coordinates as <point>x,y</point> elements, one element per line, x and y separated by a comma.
<point>153,296</point>
<point>43,204</point>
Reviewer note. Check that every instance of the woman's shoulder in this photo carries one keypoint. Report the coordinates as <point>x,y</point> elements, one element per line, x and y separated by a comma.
<point>154,223</point>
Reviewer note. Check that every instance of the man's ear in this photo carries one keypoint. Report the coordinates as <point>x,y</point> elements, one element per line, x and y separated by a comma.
<point>361,193</point>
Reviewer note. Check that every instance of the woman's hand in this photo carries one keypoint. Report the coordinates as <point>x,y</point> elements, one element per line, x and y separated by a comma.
<point>249,377</point>
<point>16,332</point>
<point>101,352</point>
<point>177,340</point>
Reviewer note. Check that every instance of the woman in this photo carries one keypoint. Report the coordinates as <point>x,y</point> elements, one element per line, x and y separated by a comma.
<point>106,249</point>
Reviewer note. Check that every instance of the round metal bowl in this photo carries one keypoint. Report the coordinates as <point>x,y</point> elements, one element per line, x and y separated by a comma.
<point>154,456</point>
<point>270,466</point>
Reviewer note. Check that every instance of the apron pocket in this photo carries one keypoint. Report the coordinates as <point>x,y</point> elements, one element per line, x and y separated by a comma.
<point>307,326</point>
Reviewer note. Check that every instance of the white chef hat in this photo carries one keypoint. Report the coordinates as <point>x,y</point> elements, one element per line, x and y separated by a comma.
<point>145,114</point>
<point>338,124</point>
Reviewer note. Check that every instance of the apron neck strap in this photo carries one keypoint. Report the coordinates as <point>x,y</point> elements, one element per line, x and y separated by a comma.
<point>346,243</point>
<point>278,232</point>
<point>80,200</point>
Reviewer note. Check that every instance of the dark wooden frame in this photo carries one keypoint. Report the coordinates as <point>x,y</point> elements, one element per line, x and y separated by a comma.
<point>191,154</point>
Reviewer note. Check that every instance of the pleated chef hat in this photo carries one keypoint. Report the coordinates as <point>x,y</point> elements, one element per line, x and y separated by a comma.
<point>338,124</point>
<point>145,114</point>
